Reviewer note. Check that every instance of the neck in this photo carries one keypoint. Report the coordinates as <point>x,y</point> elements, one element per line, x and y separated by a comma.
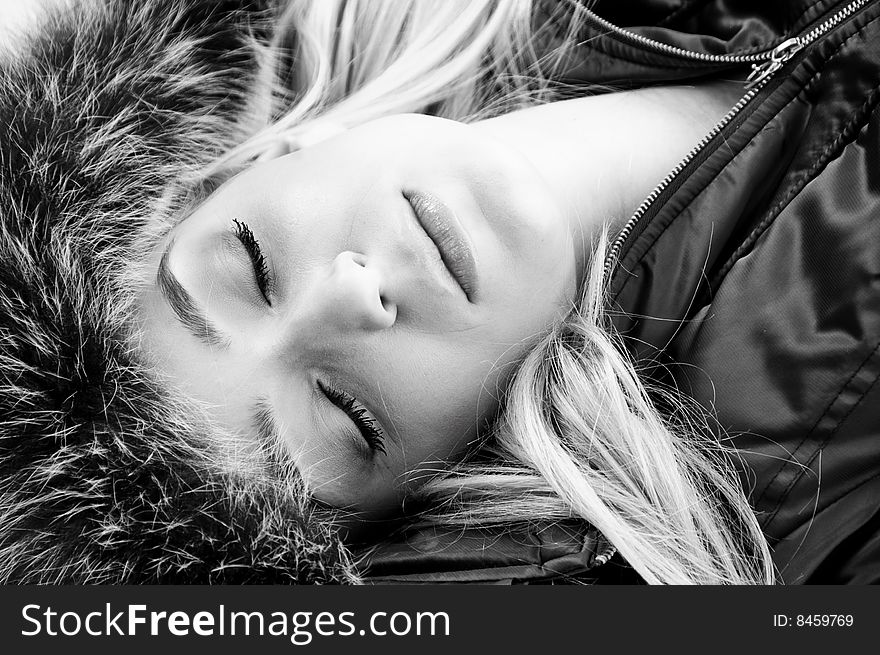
<point>602,155</point>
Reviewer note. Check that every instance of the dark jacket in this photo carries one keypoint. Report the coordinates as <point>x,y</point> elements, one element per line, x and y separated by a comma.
<point>750,278</point>
<point>759,265</point>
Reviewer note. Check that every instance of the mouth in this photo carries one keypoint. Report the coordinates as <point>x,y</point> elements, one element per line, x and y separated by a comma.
<point>449,237</point>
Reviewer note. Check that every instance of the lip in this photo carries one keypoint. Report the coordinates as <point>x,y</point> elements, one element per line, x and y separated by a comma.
<point>450,238</point>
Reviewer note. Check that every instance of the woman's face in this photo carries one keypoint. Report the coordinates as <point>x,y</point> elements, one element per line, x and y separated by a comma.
<point>362,302</point>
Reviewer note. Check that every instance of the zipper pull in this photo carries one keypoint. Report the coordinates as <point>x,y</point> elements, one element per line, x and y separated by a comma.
<point>781,54</point>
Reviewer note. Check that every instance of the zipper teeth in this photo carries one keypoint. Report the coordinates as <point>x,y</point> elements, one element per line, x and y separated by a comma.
<point>805,40</point>
<point>841,15</point>
<point>647,202</point>
<point>665,47</point>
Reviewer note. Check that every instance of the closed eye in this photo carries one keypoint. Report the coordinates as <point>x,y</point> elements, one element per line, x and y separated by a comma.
<point>261,269</point>
<point>367,426</point>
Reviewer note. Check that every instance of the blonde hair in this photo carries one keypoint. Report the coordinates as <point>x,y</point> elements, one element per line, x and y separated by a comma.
<point>336,64</point>
<point>578,435</point>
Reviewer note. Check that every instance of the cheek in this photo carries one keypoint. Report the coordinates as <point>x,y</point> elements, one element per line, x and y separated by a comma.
<point>368,497</point>
<point>544,249</point>
<point>542,294</point>
<point>458,401</point>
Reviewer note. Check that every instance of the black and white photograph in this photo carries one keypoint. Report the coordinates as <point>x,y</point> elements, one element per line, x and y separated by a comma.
<point>439,292</point>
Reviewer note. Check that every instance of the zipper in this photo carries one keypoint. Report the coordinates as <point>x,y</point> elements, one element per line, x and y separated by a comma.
<point>770,62</point>
<point>622,34</point>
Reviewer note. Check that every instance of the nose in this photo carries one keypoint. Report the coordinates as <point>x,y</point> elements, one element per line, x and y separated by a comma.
<point>351,297</point>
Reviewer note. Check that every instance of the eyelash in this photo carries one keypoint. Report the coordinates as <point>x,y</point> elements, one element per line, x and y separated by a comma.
<point>252,246</point>
<point>358,414</point>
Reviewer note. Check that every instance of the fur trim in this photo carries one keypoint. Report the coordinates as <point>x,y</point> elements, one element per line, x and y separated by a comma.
<point>105,476</point>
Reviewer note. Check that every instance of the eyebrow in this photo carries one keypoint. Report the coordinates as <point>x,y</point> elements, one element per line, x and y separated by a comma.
<point>190,314</point>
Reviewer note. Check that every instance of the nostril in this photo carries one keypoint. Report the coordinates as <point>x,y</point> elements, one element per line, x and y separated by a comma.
<point>359,259</point>
<point>390,311</point>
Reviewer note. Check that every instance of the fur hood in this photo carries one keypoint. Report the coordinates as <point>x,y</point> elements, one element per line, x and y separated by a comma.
<point>105,477</point>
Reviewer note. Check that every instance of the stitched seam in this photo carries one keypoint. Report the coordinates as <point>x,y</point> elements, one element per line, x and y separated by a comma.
<point>828,508</point>
<point>840,422</point>
<point>629,278</point>
<point>806,438</point>
<point>798,185</point>
<point>849,132</point>
<point>817,421</point>
<point>708,181</point>
<point>799,476</point>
